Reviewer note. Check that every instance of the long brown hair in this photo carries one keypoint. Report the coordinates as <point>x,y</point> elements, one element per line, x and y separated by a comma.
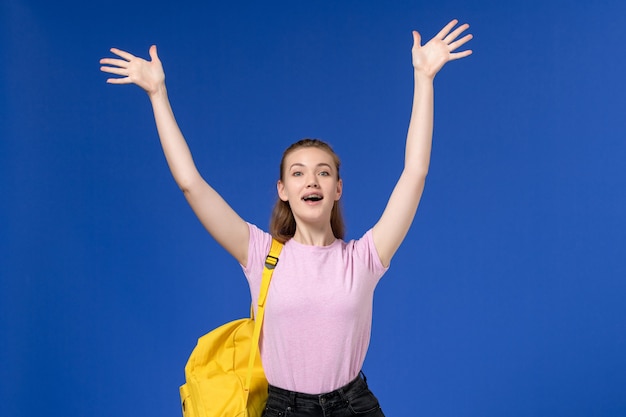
<point>283,223</point>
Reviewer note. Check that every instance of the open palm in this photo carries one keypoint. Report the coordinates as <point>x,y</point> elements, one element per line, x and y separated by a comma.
<point>431,57</point>
<point>148,75</point>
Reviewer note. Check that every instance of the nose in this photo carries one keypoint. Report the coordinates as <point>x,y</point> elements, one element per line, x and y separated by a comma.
<point>313,183</point>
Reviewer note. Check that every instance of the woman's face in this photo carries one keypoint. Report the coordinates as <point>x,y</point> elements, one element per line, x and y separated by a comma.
<point>310,184</point>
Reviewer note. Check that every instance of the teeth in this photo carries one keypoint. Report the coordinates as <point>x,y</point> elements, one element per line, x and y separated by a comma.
<point>312,197</point>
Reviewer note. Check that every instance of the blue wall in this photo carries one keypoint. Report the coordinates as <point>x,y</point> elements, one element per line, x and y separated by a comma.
<point>507,297</point>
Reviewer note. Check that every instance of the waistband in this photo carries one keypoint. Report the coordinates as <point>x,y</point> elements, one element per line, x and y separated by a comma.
<point>356,385</point>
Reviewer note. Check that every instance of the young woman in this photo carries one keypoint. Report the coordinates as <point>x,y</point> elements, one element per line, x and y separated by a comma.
<point>319,311</point>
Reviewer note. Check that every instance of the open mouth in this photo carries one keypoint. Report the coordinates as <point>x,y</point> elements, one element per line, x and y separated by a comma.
<point>312,197</point>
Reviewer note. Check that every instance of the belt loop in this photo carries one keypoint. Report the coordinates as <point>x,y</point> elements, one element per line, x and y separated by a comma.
<point>292,399</point>
<point>342,394</point>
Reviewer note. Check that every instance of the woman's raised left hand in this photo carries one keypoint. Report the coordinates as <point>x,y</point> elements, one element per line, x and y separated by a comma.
<point>431,57</point>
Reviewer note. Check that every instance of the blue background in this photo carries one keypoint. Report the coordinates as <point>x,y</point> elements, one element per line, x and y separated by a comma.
<point>506,298</point>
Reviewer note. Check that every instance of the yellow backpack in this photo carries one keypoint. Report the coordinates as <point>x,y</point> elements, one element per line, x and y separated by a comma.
<point>224,375</point>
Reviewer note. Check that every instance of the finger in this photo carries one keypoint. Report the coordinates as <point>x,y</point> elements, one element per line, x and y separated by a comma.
<point>447,28</point>
<point>452,36</point>
<point>114,70</point>
<point>417,39</point>
<point>460,42</point>
<point>153,53</point>
<point>127,56</point>
<point>114,62</point>
<point>124,80</point>
<point>459,55</point>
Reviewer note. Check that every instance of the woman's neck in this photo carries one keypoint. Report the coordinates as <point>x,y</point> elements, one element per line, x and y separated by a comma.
<point>314,237</point>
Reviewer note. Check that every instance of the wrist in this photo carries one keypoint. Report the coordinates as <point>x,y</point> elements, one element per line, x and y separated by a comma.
<point>158,92</point>
<point>422,77</point>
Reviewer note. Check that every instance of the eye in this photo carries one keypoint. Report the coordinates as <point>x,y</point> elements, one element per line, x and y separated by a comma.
<point>324,173</point>
<point>296,173</point>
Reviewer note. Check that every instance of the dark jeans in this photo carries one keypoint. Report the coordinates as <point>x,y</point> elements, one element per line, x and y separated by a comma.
<point>354,399</point>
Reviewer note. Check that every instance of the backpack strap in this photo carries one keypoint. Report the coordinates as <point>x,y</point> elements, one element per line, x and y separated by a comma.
<point>270,263</point>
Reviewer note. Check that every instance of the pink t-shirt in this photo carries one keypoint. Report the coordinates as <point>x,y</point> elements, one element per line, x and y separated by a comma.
<point>318,315</point>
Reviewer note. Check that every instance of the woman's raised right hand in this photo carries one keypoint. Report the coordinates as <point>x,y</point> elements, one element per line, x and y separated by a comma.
<point>148,75</point>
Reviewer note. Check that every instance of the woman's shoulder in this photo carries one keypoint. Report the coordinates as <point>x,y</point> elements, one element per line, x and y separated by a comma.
<point>258,246</point>
<point>364,249</point>
<point>364,241</point>
<point>258,236</point>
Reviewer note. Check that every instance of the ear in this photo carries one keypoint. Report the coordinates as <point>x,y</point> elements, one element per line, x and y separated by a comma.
<point>280,188</point>
<point>339,190</point>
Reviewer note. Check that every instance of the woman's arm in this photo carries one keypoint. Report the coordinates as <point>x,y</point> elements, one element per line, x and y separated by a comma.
<point>395,221</point>
<point>222,222</point>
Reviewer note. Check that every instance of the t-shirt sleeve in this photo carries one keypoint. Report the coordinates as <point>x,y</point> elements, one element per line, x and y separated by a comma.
<point>258,248</point>
<point>366,252</point>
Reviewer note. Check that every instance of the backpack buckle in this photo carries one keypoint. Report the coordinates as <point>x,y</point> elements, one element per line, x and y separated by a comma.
<point>271,261</point>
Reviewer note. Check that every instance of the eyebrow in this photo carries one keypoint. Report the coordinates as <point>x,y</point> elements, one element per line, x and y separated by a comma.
<point>321,164</point>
